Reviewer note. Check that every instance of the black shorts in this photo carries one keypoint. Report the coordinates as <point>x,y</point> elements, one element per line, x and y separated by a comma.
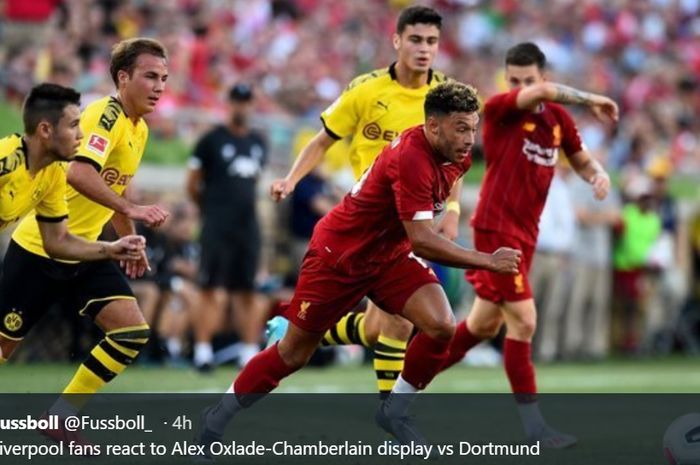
<point>30,284</point>
<point>229,263</point>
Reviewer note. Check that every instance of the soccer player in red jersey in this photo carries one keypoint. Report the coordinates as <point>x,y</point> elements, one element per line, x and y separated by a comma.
<point>369,245</point>
<point>524,131</point>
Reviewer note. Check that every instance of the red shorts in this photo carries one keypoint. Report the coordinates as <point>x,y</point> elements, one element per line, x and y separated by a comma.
<point>324,294</point>
<point>496,287</point>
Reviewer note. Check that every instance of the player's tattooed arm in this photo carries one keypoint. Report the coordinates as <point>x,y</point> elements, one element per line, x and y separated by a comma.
<point>602,107</point>
<point>569,95</point>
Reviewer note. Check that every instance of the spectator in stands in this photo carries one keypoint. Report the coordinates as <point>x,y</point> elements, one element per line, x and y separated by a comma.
<point>639,229</point>
<point>587,333</point>
<point>549,275</point>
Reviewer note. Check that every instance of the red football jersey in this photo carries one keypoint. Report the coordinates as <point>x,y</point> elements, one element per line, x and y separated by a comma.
<point>407,181</point>
<point>521,149</point>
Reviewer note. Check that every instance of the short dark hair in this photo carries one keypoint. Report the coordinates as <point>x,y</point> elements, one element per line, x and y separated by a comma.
<point>241,92</point>
<point>418,15</point>
<point>46,102</point>
<point>526,54</point>
<point>450,97</point>
<point>126,52</point>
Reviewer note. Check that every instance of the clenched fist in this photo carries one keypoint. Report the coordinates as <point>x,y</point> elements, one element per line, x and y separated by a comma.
<point>505,260</point>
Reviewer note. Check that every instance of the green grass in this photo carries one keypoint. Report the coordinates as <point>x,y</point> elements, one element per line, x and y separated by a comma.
<point>668,375</point>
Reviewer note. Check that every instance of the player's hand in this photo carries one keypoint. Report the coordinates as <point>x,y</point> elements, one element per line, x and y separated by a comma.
<point>448,226</point>
<point>601,185</point>
<point>505,260</point>
<point>152,215</point>
<point>137,267</point>
<point>280,189</point>
<point>127,248</point>
<point>604,108</point>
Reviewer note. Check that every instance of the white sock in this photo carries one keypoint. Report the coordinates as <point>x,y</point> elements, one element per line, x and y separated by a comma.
<point>203,353</point>
<point>174,346</point>
<point>219,416</point>
<point>532,419</point>
<point>248,351</point>
<point>401,386</point>
<point>63,408</point>
<point>400,399</point>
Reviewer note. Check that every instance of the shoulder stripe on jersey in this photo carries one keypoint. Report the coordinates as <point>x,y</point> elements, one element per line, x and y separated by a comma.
<point>14,160</point>
<point>110,114</point>
<point>89,161</point>
<point>438,76</point>
<point>51,219</point>
<point>362,78</point>
<point>328,131</point>
<point>423,215</point>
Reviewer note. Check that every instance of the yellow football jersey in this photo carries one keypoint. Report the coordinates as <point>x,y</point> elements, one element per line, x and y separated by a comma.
<point>114,145</point>
<point>373,110</point>
<point>21,192</point>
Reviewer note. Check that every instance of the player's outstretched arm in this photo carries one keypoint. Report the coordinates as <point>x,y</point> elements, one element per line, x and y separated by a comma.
<point>602,107</point>
<point>591,171</point>
<point>85,179</point>
<point>60,244</point>
<point>431,246</point>
<point>310,156</point>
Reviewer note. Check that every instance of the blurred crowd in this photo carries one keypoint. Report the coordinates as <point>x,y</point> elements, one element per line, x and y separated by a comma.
<point>626,271</point>
<point>301,53</point>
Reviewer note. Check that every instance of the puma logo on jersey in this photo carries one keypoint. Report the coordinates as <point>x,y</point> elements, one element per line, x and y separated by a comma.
<point>383,105</point>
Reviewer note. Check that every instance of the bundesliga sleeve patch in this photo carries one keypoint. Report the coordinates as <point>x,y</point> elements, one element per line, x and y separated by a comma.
<point>97,144</point>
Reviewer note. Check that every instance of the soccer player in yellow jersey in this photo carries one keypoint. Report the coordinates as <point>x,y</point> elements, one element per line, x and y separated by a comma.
<point>31,178</point>
<point>373,110</point>
<point>110,153</point>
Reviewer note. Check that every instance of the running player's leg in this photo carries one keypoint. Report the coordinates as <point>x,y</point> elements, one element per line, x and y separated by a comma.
<point>126,333</point>
<point>101,292</point>
<point>483,322</point>
<point>429,309</point>
<point>521,320</point>
<point>27,290</point>
<point>485,319</point>
<point>319,295</point>
<point>410,288</point>
<point>390,348</point>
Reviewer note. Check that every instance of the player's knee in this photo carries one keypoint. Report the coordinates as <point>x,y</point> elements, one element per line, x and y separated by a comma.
<point>526,327</point>
<point>523,327</point>
<point>132,338</point>
<point>441,328</point>
<point>485,329</point>
<point>397,327</point>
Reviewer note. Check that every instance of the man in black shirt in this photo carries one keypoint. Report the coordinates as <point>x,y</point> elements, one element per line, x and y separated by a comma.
<point>222,180</point>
